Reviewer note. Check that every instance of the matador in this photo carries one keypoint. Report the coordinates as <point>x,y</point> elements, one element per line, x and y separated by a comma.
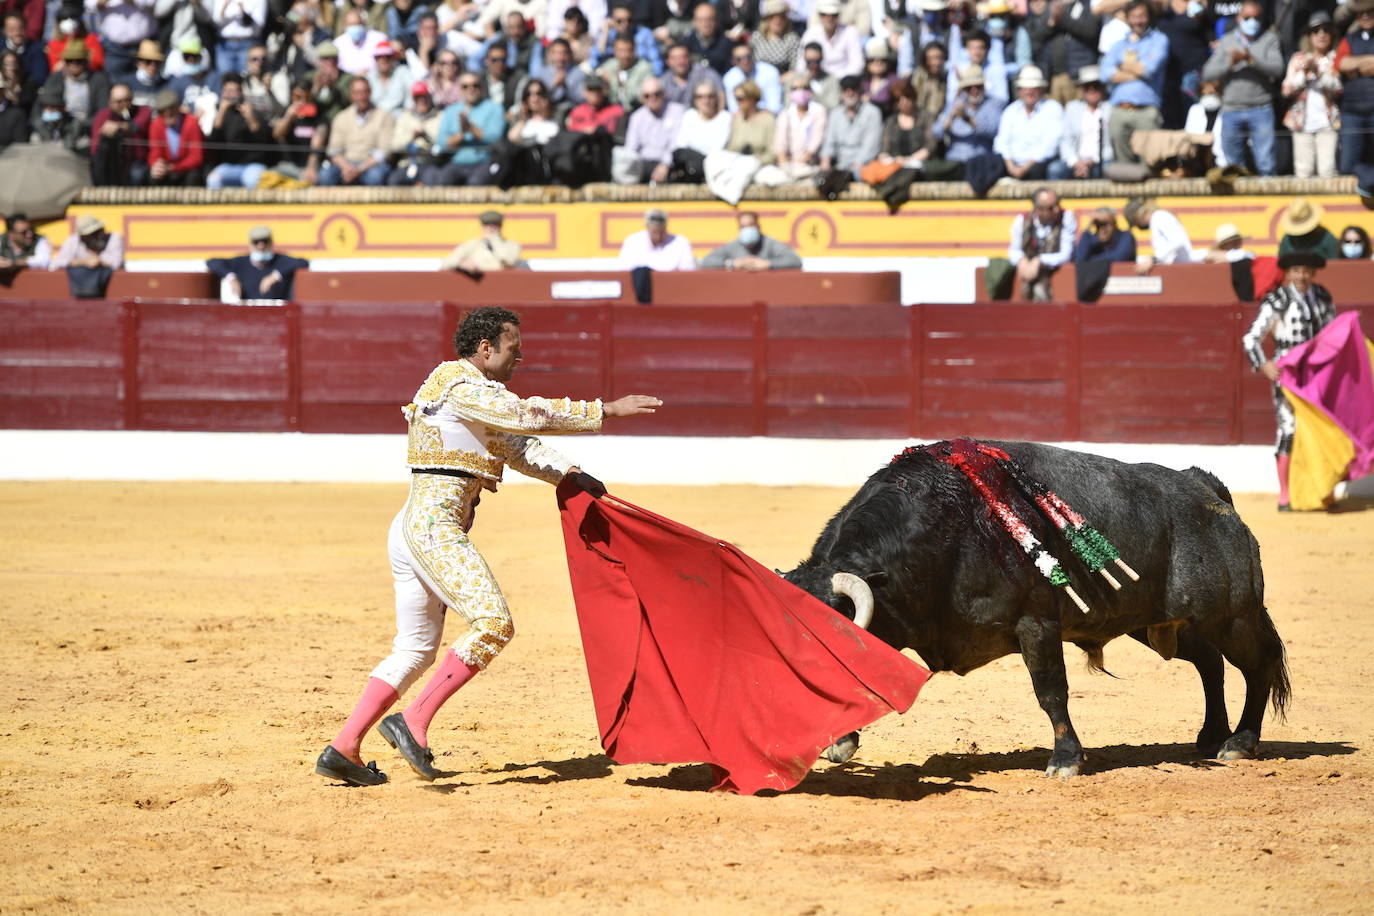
<point>465,427</point>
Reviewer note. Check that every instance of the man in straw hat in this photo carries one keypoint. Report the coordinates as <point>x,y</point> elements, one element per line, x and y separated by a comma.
<point>1028,134</point>
<point>1229,247</point>
<point>1355,62</point>
<point>969,124</point>
<point>1291,314</point>
<point>1302,230</point>
<point>1135,68</point>
<point>147,79</point>
<point>1084,148</point>
<point>85,92</point>
<point>90,246</point>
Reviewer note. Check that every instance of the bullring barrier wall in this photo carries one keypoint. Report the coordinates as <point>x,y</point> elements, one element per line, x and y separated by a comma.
<point>1051,372</point>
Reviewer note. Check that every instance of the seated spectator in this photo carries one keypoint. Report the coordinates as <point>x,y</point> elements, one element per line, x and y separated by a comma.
<point>597,112</point>
<point>403,20</point>
<point>422,54</point>
<point>443,79</point>
<point>52,124</point>
<point>14,127</point>
<point>467,131</point>
<point>841,53</point>
<point>197,85</point>
<point>23,93</point>
<point>752,250</point>
<point>774,42</point>
<point>705,129</point>
<point>968,127</point>
<point>1355,62</point>
<point>1029,131</point>
<point>188,58</point>
<point>176,147</point>
<point>1204,117</point>
<point>89,256</point>
<point>390,80</point>
<point>706,41</point>
<point>85,92</point>
<point>620,23</point>
<point>976,45</point>
<point>147,79</point>
<point>1135,68</point>
<point>239,25</point>
<point>751,128</point>
<point>31,57</point>
<point>257,86</point>
<point>856,14</point>
<point>502,82</point>
<point>1041,243</point>
<point>521,158</point>
<point>523,51</point>
<point>908,135</point>
<point>625,73</point>
<point>825,86</point>
<point>329,86</point>
<point>878,78</point>
<point>1248,62</point>
<point>931,80</point>
<point>1355,244</point>
<point>262,273</point>
<point>747,70</point>
<point>853,131</point>
<point>357,43</point>
<point>416,132</point>
<point>21,247</point>
<point>655,247</point>
<point>1314,85</point>
<point>650,138</point>
<point>682,73</point>
<point>69,29</point>
<point>1103,240</point>
<point>675,23</point>
<point>1168,238</point>
<point>577,33</point>
<point>1303,232</point>
<point>238,137</point>
<point>1229,247</point>
<point>799,133</point>
<point>1085,146</point>
<point>492,252</point>
<point>359,137</point>
<point>562,77</point>
<point>119,141</point>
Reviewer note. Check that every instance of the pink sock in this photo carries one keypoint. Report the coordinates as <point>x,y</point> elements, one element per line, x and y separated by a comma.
<point>1282,461</point>
<point>452,674</point>
<point>377,698</point>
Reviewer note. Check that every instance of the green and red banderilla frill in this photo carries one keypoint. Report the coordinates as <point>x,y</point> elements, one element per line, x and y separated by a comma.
<point>981,463</point>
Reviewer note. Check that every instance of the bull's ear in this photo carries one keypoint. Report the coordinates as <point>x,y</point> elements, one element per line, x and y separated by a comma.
<point>878,578</point>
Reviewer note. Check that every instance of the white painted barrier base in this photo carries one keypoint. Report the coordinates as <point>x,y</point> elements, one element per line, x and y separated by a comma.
<point>296,457</point>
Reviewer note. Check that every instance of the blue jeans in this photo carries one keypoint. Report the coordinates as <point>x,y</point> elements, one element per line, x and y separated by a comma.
<point>330,176</point>
<point>231,55</point>
<point>229,175</point>
<point>1059,170</point>
<point>1256,124</point>
<point>119,60</point>
<point>1357,140</point>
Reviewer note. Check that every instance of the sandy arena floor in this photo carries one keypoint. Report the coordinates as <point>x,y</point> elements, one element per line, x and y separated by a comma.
<point>177,655</point>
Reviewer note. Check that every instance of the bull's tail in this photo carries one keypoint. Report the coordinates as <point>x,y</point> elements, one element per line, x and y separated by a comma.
<point>1211,482</point>
<point>1280,689</point>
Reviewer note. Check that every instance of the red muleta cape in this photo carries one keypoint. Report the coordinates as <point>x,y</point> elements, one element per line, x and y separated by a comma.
<point>698,654</point>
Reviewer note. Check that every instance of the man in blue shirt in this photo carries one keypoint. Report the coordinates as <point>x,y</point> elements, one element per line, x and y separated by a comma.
<point>621,22</point>
<point>1029,132</point>
<point>969,124</point>
<point>260,274</point>
<point>1135,68</point>
<point>764,75</point>
<point>467,131</point>
<point>1103,240</point>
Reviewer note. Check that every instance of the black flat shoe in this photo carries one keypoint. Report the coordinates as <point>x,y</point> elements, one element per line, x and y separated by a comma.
<point>336,766</point>
<point>397,734</point>
<point>1284,507</point>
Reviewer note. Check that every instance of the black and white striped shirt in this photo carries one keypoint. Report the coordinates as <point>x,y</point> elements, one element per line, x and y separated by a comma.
<point>1291,317</point>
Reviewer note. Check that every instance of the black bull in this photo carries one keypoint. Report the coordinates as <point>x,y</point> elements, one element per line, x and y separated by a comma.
<point>948,582</point>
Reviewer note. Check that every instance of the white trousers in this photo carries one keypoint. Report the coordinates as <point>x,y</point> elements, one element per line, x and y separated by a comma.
<point>434,565</point>
<point>1315,153</point>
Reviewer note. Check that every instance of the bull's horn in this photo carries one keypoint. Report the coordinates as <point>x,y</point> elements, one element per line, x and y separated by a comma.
<point>858,591</point>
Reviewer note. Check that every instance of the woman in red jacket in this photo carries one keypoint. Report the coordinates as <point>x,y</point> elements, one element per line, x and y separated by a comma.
<point>176,149</point>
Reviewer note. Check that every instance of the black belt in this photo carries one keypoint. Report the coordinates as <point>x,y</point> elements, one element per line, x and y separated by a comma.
<point>444,472</point>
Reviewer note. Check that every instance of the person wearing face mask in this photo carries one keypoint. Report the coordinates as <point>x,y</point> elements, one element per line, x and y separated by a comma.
<point>148,79</point>
<point>240,24</point>
<point>83,92</point>
<point>71,28</point>
<point>1355,244</point>
<point>52,124</point>
<point>198,86</point>
<point>357,44</point>
<point>1204,117</point>
<point>1249,64</point>
<point>799,132</point>
<point>189,58</point>
<point>262,273</point>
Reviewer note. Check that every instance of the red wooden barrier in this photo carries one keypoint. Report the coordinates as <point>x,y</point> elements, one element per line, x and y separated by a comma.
<point>1050,372</point>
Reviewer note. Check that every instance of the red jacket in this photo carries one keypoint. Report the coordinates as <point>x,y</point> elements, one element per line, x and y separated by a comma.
<point>135,139</point>
<point>93,46</point>
<point>192,152</point>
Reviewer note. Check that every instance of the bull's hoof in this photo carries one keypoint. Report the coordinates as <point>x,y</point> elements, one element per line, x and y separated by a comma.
<point>1064,766</point>
<point>841,751</point>
<point>1240,746</point>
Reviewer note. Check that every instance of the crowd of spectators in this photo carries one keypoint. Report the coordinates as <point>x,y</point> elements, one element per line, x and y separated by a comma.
<point>284,93</point>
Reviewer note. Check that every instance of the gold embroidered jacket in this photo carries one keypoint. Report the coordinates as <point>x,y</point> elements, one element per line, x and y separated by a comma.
<point>462,421</point>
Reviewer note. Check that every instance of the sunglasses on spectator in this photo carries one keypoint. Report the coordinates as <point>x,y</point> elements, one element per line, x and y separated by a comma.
<point>740,58</point>
<point>256,59</point>
<point>469,84</point>
<point>620,20</point>
<point>652,95</point>
<point>499,59</point>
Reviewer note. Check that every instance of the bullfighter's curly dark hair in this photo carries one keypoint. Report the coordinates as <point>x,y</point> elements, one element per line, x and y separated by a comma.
<point>481,324</point>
